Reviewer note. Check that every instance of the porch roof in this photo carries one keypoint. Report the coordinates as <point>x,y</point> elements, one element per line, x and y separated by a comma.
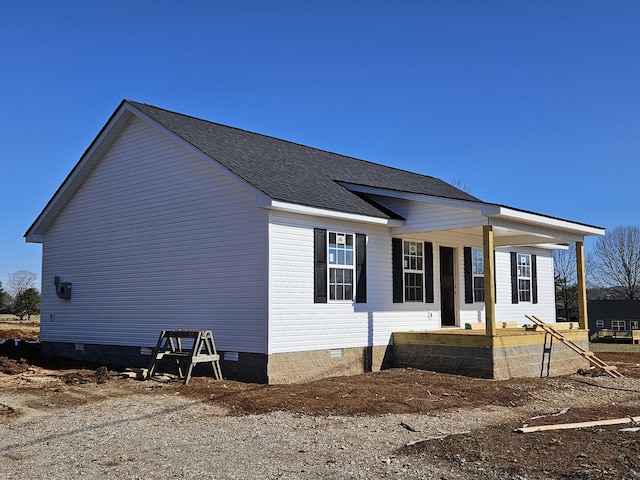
<point>512,226</point>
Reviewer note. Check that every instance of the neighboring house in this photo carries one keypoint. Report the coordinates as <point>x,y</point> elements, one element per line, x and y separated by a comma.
<point>302,262</point>
<point>611,316</point>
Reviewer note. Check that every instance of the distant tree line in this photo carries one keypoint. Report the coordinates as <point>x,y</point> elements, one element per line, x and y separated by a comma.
<point>612,270</point>
<point>20,297</point>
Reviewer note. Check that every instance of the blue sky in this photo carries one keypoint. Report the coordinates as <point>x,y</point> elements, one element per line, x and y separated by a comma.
<point>531,104</point>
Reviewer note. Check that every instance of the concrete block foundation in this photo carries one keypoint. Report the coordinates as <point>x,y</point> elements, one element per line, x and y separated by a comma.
<point>501,357</point>
<point>277,368</point>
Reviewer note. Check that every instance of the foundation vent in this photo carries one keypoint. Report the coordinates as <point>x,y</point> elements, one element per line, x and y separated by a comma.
<point>231,356</point>
<point>79,347</point>
<point>335,353</point>
<point>145,351</point>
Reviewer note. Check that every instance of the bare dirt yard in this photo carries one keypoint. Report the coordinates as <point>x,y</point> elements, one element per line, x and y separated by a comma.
<point>62,420</point>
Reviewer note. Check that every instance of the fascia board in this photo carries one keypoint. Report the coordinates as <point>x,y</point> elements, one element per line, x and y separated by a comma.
<point>103,140</point>
<point>549,222</point>
<point>320,212</point>
<point>78,173</point>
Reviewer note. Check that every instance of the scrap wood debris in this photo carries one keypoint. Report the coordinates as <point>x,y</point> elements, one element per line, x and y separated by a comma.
<point>567,426</point>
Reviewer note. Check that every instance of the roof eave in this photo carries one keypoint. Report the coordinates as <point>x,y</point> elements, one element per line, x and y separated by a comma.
<point>81,169</point>
<point>321,212</point>
<point>116,123</point>
<point>522,216</point>
<point>489,210</point>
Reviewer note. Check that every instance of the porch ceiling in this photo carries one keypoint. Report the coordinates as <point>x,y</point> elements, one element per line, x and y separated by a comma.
<point>514,236</point>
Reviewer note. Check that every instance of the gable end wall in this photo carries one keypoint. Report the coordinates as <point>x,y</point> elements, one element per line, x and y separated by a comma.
<point>155,238</point>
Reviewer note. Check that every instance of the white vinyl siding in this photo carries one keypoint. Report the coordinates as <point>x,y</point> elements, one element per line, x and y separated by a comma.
<point>297,323</point>
<point>545,308</point>
<point>156,238</point>
<point>421,217</point>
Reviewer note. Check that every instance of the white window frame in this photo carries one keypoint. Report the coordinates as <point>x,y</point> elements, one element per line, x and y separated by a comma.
<point>599,323</point>
<point>634,325</point>
<point>477,269</point>
<point>413,270</point>
<point>341,256</point>
<point>616,324</point>
<point>524,277</point>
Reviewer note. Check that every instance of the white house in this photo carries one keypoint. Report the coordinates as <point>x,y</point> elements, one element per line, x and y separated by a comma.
<point>303,263</point>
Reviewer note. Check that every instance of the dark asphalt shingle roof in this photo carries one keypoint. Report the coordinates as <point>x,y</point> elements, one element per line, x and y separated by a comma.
<point>294,173</point>
<point>614,309</point>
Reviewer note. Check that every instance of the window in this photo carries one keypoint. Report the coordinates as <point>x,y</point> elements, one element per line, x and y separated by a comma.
<point>413,272</point>
<point>477,262</point>
<point>633,324</point>
<point>341,266</point>
<point>599,323</point>
<point>524,277</point>
<point>618,325</point>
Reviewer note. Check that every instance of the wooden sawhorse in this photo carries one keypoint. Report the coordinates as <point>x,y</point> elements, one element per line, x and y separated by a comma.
<point>203,350</point>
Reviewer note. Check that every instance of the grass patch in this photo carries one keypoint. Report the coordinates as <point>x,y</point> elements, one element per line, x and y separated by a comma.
<point>9,317</point>
<point>11,327</point>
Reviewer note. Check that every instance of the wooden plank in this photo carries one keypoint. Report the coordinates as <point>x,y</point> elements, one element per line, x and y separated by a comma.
<point>569,426</point>
<point>576,348</point>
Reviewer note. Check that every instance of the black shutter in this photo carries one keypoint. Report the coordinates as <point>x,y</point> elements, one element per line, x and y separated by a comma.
<point>320,265</point>
<point>514,277</point>
<point>468,276</point>
<point>428,272</point>
<point>534,279</point>
<point>361,268</point>
<point>396,266</point>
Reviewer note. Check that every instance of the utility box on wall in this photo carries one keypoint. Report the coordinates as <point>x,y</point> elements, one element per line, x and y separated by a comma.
<point>63,289</point>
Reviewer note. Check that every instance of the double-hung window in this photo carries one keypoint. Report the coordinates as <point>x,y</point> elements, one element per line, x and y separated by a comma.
<point>477,268</point>
<point>618,325</point>
<point>341,266</point>
<point>413,271</point>
<point>524,277</point>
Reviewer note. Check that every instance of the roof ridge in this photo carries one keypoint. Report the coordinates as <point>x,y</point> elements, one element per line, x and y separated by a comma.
<point>134,103</point>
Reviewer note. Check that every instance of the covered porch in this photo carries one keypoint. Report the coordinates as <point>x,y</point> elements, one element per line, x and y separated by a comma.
<point>497,345</point>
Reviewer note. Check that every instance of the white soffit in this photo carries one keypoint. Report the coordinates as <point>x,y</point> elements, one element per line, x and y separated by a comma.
<point>497,215</point>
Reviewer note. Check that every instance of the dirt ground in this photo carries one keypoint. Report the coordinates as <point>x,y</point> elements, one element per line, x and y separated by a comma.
<point>600,452</point>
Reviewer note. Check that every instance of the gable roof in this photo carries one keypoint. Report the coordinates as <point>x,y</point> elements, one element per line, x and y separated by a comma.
<point>294,173</point>
<point>614,309</point>
<point>291,175</point>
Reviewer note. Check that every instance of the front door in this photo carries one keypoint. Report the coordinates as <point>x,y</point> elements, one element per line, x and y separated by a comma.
<point>447,287</point>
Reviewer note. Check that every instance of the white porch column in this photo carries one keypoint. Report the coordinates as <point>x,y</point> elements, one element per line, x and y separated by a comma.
<point>582,287</point>
<point>489,283</point>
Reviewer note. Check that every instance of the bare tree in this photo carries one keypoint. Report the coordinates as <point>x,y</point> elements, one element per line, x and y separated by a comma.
<point>618,260</point>
<point>457,182</point>
<point>566,279</point>
<point>20,281</point>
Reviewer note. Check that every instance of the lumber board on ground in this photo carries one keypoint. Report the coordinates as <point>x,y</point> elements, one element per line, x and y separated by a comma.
<point>568,426</point>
